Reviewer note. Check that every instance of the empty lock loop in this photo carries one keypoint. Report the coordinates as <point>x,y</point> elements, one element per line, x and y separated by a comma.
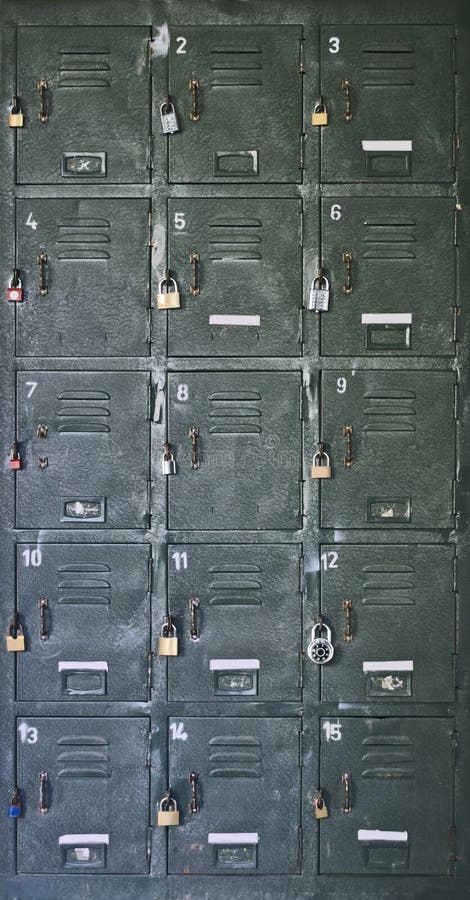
<point>168,296</point>
<point>321,465</point>
<point>168,812</point>
<point>320,649</point>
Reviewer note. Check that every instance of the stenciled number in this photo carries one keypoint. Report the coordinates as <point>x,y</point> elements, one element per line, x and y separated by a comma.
<point>181,560</point>
<point>181,44</point>
<point>32,557</point>
<point>177,731</point>
<point>341,385</point>
<point>180,221</point>
<point>28,734</point>
<point>333,45</point>
<point>332,730</point>
<point>329,560</point>
<point>182,393</point>
<point>31,222</point>
<point>32,387</point>
<point>335,212</point>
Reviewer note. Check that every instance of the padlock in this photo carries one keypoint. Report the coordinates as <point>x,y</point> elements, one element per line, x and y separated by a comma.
<point>168,299</point>
<point>320,114</point>
<point>320,649</point>
<point>168,117</point>
<point>319,806</point>
<point>168,812</point>
<point>319,293</point>
<point>16,462</point>
<point>15,116</point>
<point>168,639</point>
<point>168,462</point>
<point>320,469</point>
<point>15,642</point>
<point>14,807</point>
<point>15,289</point>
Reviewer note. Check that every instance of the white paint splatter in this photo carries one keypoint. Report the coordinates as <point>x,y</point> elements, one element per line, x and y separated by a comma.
<point>160,44</point>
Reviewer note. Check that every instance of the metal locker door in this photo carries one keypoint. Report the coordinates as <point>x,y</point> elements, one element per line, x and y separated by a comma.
<point>90,294</point>
<point>391,436</point>
<point>237,610</point>
<point>391,608</point>
<point>389,91</point>
<point>83,437</point>
<point>238,94</point>
<point>91,87</point>
<point>248,439</point>
<point>248,816</point>
<point>85,785</point>
<point>400,296</point>
<point>86,611</point>
<point>247,296</point>
<point>389,798</point>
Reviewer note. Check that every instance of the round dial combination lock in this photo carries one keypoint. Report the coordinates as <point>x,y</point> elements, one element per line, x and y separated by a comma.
<point>320,649</point>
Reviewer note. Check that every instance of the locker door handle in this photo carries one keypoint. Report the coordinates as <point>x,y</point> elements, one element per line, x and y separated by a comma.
<point>346,780</point>
<point>194,633</point>
<point>42,87</point>
<point>347,631</point>
<point>195,114</point>
<point>347,259</point>
<point>43,604</point>
<point>41,260</point>
<point>193,780</point>
<point>194,435</point>
<point>348,458</point>
<point>194,260</point>
<point>347,86</point>
<point>43,779</point>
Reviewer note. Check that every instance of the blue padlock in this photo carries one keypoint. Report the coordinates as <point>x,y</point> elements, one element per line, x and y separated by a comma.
<point>14,809</point>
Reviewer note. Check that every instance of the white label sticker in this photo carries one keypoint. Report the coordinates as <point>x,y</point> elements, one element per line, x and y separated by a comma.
<point>66,840</point>
<point>388,665</point>
<point>216,664</point>
<point>365,835</point>
<point>387,318</point>
<point>233,837</point>
<point>388,146</point>
<point>91,665</point>
<point>235,320</point>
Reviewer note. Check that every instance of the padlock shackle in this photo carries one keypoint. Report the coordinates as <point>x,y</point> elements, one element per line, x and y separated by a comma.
<point>168,799</point>
<point>168,628</point>
<point>15,280</point>
<point>321,282</point>
<point>169,282</point>
<point>167,106</point>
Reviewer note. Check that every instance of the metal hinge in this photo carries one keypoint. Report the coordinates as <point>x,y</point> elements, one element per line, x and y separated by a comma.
<point>149,685</point>
<point>149,402</point>
<point>453,745</point>
<point>455,564</point>
<point>301,150</point>
<point>457,210</point>
<point>299,844</point>
<point>301,748</point>
<point>149,160</point>
<point>301,673</point>
<point>149,501</point>
<point>456,401</point>
<point>454,497</point>
<point>150,571</point>
<point>301,57</point>
<point>454,53</point>
<point>452,857</point>
<point>148,843</point>
<point>301,499</point>
<point>301,228</point>
<point>301,574</point>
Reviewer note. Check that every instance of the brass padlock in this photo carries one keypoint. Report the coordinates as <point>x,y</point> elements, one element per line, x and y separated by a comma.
<point>168,812</point>
<point>168,640</point>
<point>15,116</point>
<point>320,114</point>
<point>170,297</point>
<point>321,466</point>
<point>319,806</point>
<point>15,638</point>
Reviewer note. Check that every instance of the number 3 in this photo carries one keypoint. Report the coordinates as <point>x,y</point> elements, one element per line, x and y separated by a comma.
<point>333,44</point>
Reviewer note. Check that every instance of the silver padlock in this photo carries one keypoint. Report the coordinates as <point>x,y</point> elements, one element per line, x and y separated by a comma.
<point>320,649</point>
<point>319,293</point>
<point>168,117</point>
<point>168,461</point>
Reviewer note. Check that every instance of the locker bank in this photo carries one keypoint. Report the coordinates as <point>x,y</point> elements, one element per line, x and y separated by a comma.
<point>235,537</point>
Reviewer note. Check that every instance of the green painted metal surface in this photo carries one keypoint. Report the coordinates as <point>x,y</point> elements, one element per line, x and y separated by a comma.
<point>241,547</point>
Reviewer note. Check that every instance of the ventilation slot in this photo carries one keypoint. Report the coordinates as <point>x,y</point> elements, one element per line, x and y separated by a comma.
<point>389,411</point>
<point>236,67</point>
<point>235,408</point>
<point>77,418</point>
<point>389,235</point>
<point>84,69</point>
<point>238,761</point>
<point>83,238</point>
<point>388,585</point>
<point>81,584</point>
<point>388,65</point>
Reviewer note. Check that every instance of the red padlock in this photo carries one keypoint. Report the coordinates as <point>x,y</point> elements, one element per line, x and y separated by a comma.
<point>16,462</point>
<point>15,289</point>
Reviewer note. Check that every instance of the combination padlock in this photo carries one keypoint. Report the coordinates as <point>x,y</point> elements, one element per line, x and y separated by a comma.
<point>168,117</point>
<point>320,114</point>
<point>320,649</point>
<point>319,293</point>
<point>168,461</point>
<point>168,812</point>
<point>15,116</point>
<point>15,288</point>
<point>170,297</point>
<point>321,466</point>
<point>168,639</point>
<point>14,807</point>
<point>15,637</point>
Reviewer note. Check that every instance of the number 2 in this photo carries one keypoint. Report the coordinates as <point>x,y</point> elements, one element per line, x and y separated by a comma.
<point>181,44</point>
